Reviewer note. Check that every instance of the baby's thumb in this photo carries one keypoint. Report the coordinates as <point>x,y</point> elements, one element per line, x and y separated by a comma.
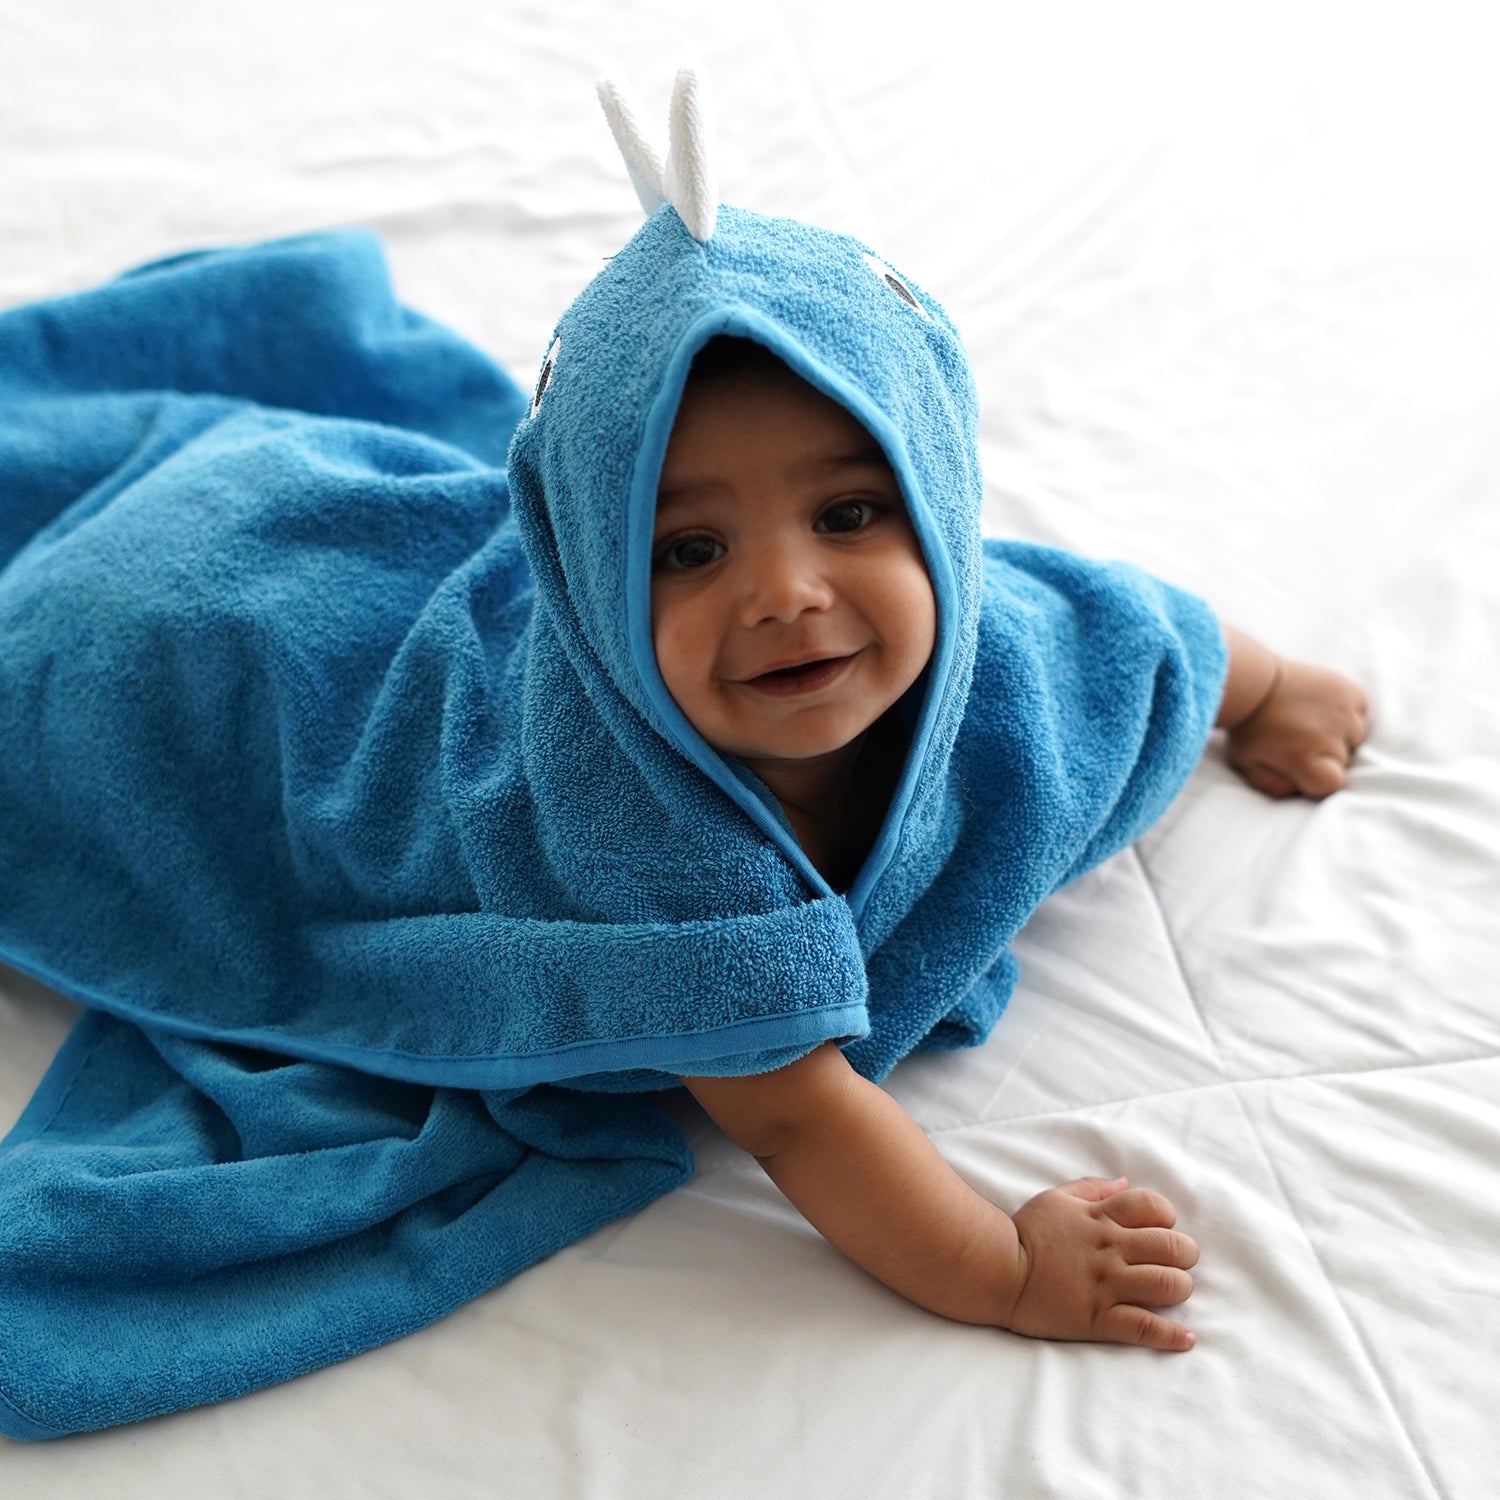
<point>1095,1189</point>
<point>1323,776</point>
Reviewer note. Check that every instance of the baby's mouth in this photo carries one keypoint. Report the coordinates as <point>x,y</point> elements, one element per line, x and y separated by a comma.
<point>805,677</point>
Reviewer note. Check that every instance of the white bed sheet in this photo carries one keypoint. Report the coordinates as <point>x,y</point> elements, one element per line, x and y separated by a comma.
<point>1232,292</point>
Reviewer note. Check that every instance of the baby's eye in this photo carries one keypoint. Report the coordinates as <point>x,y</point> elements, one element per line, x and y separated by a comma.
<point>688,552</point>
<point>848,515</point>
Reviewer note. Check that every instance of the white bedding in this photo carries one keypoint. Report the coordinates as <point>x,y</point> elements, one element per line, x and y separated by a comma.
<point>1232,293</point>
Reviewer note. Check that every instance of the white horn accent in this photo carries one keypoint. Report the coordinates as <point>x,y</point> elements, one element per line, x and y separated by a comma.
<point>691,182</point>
<point>641,160</point>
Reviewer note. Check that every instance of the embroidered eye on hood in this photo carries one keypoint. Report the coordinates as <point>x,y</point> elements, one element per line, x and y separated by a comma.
<point>892,280</point>
<point>549,367</point>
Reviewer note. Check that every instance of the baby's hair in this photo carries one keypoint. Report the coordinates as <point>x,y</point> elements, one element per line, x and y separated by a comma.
<point>725,355</point>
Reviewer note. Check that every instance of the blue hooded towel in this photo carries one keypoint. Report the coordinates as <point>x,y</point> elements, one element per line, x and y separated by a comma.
<point>337,780</point>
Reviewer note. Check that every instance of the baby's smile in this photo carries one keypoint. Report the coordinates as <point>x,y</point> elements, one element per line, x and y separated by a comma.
<point>800,677</point>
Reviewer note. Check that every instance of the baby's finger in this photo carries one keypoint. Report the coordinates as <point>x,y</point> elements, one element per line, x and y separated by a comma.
<point>1125,1324</point>
<point>1153,1286</point>
<point>1140,1208</point>
<point>1094,1189</point>
<point>1266,779</point>
<point>1159,1247</point>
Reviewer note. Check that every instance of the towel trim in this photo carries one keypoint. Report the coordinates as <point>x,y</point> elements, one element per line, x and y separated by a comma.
<point>679,1052</point>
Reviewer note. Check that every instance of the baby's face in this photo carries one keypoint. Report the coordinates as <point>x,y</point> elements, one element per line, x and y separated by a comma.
<point>790,606</point>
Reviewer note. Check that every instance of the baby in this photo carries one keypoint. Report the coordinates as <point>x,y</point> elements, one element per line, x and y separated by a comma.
<point>791,609</point>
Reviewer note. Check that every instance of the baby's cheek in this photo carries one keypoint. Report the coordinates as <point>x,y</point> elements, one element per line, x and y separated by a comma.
<point>679,654</point>
<point>913,616</point>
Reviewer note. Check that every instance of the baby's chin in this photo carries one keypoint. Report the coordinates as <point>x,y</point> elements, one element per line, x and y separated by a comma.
<point>789,734</point>
<point>802,747</point>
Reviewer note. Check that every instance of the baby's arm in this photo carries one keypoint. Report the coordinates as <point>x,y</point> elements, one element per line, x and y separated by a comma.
<point>1083,1261</point>
<point>1292,727</point>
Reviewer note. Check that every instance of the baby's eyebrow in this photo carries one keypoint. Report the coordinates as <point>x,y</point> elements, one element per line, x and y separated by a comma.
<point>689,490</point>
<point>870,456</point>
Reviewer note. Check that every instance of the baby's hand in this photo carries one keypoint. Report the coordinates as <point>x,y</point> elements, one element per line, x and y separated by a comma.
<point>1303,735</point>
<point>1096,1256</point>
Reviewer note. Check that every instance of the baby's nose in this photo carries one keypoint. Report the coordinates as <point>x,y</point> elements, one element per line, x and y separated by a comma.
<point>782,584</point>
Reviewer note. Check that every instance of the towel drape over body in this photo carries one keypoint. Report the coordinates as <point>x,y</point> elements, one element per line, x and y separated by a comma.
<point>338,781</point>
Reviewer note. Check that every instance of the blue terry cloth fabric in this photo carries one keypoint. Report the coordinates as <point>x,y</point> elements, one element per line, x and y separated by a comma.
<point>349,799</point>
